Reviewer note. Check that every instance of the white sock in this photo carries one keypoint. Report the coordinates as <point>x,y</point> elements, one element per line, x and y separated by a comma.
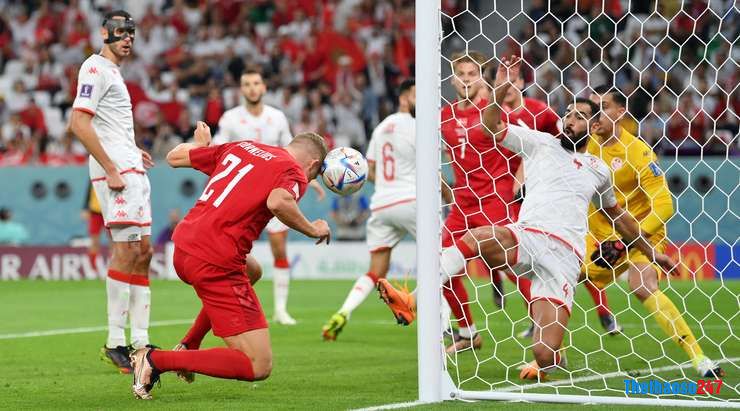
<point>468,332</point>
<point>362,288</point>
<point>118,306</point>
<point>141,299</point>
<point>280,285</point>
<point>451,262</point>
<point>446,312</point>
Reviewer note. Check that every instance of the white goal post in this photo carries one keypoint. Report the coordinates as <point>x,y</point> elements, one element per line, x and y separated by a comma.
<point>435,382</point>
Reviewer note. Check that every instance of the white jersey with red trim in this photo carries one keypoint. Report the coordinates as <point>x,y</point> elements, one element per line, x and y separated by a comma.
<point>269,127</point>
<point>560,185</point>
<point>102,92</point>
<point>392,151</point>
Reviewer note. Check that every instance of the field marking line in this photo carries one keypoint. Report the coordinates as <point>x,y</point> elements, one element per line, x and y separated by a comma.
<point>606,376</point>
<point>393,406</point>
<point>81,330</point>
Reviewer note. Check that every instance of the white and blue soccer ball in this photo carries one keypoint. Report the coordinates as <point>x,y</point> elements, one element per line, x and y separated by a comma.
<point>344,170</point>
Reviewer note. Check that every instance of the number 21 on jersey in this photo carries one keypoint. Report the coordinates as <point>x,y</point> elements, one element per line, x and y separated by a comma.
<point>231,162</point>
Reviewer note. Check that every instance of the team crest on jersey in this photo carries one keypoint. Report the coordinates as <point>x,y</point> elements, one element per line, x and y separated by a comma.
<point>617,163</point>
<point>86,90</point>
<point>655,168</point>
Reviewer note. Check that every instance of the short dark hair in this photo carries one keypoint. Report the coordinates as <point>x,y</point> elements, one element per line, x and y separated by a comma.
<point>253,70</point>
<point>594,107</point>
<point>616,95</point>
<point>406,85</point>
<point>115,13</point>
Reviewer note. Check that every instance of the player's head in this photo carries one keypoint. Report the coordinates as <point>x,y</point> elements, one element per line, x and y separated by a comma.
<point>467,69</point>
<point>252,85</point>
<point>407,97</point>
<point>597,92</point>
<point>577,121</point>
<point>309,149</point>
<point>118,32</point>
<point>613,105</point>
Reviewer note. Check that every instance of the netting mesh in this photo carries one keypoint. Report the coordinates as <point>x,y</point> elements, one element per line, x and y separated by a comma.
<point>676,65</point>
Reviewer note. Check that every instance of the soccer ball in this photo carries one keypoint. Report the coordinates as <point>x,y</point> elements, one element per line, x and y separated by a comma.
<point>344,170</point>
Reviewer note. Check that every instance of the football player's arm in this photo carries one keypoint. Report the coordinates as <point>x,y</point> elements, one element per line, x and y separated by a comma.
<point>283,205</point>
<point>628,227</point>
<point>180,155</point>
<point>653,184</point>
<point>491,119</point>
<point>371,171</point>
<point>80,125</point>
<point>371,157</point>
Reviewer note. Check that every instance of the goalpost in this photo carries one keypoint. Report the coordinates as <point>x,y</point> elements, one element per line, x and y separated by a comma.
<point>597,376</point>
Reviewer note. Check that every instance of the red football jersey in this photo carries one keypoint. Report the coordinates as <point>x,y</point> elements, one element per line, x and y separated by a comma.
<point>484,173</point>
<point>232,211</point>
<point>535,115</point>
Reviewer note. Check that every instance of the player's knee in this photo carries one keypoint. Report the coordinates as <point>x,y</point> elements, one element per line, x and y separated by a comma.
<point>262,367</point>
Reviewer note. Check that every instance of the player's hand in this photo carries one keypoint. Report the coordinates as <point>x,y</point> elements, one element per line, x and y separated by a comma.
<point>508,71</point>
<point>115,181</point>
<point>202,135</point>
<point>667,263</point>
<point>321,231</point>
<point>147,159</point>
<point>608,254</point>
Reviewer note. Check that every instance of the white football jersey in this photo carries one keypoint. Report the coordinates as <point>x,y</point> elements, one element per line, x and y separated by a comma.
<point>270,127</point>
<point>392,148</point>
<point>560,184</point>
<point>102,93</point>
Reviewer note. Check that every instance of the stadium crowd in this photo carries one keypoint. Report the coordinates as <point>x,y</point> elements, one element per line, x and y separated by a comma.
<point>332,66</point>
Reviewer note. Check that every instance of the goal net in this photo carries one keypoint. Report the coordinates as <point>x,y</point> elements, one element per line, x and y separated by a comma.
<point>656,339</point>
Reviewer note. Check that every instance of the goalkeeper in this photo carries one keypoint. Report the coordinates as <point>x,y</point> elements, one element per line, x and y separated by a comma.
<point>641,190</point>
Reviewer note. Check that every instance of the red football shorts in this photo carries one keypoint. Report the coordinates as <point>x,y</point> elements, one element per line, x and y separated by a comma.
<point>228,298</point>
<point>95,224</point>
<point>460,220</point>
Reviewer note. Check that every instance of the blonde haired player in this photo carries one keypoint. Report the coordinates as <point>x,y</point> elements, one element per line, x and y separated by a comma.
<point>265,124</point>
<point>103,121</point>
<point>641,189</point>
<point>391,157</point>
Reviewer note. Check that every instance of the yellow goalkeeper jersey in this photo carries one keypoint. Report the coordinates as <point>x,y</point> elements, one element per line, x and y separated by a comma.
<point>639,185</point>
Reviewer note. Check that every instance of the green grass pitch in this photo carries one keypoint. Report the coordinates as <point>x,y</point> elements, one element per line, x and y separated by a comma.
<point>372,363</point>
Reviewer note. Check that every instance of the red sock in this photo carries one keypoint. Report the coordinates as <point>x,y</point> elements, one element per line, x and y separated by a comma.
<point>599,297</point>
<point>215,362</point>
<point>457,298</point>
<point>198,331</point>
<point>523,284</point>
<point>282,263</point>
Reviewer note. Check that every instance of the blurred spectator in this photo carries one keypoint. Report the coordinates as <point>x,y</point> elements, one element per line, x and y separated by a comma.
<point>165,236</point>
<point>350,213</point>
<point>11,232</point>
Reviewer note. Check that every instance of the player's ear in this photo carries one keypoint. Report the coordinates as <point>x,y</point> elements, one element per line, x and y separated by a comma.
<point>104,32</point>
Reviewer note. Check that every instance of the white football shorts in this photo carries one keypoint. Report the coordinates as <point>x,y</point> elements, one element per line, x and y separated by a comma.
<point>387,226</point>
<point>275,226</point>
<point>551,264</point>
<point>127,213</point>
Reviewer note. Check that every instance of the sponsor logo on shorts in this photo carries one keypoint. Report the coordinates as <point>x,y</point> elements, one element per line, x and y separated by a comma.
<point>656,387</point>
<point>133,237</point>
<point>121,214</point>
<point>120,200</point>
<point>141,211</point>
<point>86,90</point>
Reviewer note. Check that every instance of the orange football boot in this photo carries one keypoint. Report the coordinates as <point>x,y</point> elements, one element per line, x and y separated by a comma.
<point>401,302</point>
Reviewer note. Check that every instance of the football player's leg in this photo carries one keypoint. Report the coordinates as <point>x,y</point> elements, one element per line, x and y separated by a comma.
<point>496,245</point>
<point>550,322</point>
<point>597,278</point>
<point>281,274</point>
<point>141,297</point>
<point>643,280</point>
